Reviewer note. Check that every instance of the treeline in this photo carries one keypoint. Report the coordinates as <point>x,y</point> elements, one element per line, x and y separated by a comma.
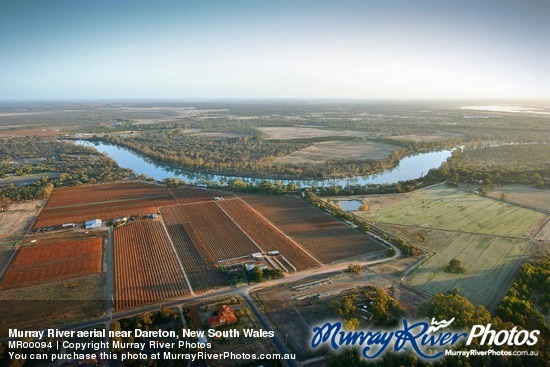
<point>38,190</point>
<point>528,298</point>
<point>515,164</point>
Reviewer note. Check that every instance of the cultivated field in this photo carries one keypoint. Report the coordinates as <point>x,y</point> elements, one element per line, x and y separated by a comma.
<point>201,272</point>
<point>318,153</point>
<point>267,236</point>
<point>447,208</point>
<point>146,266</point>
<point>53,260</point>
<point>297,132</point>
<point>425,137</point>
<point>489,262</point>
<point>105,201</point>
<point>214,232</point>
<point>95,194</point>
<point>320,234</point>
<point>189,196</point>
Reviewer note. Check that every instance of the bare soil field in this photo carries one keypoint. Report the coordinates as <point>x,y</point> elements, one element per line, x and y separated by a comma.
<point>146,266</point>
<point>295,132</point>
<point>55,303</point>
<point>16,220</point>
<point>417,138</point>
<point>320,234</point>
<point>53,261</point>
<point>524,195</point>
<point>318,153</point>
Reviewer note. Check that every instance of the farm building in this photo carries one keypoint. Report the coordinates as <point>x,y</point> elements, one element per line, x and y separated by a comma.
<point>91,224</point>
<point>226,316</point>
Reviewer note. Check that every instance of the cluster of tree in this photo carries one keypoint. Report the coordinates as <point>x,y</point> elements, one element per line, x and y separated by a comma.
<point>75,164</point>
<point>370,189</point>
<point>384,308</point>
<point>528,298</point>
<point>259,275</point>
<point>445,306</point>
<point>39,190</point>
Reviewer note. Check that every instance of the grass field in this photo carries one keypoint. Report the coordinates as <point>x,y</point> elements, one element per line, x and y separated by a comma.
<point>447,208</point>
<point>489,262</point>
<point>524,195</point>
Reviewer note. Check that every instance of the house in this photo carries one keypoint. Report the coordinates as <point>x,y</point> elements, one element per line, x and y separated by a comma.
<point>225,316</point>
<point>91,224</point>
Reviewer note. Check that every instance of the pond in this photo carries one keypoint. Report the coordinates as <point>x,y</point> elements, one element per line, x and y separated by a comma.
<point>409,168</point>
<point>349,205</point>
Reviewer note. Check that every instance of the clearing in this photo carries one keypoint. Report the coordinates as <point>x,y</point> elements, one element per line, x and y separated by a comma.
<point>16,220</point>
<point>296,132</point>
<point>318,153</point>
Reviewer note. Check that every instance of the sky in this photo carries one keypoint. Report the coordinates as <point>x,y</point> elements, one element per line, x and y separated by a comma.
<point>370,49</point>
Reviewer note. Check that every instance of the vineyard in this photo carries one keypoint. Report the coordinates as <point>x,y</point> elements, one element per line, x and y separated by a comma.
<point>266,235</point>
<point>69,196</point>
<point>214,232</point>
<point>187,195</point>
<point>46,262</point>
<point>201,272</point>
<point>105,201</point>
<point>146,267</point>
<point>320,234</point>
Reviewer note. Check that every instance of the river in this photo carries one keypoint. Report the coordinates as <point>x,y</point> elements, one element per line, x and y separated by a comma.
<point>409,168</point>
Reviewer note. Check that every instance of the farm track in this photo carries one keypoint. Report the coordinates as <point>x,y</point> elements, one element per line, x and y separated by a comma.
<point>145,267</point>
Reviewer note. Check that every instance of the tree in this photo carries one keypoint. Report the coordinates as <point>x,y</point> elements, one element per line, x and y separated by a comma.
<point>364,207</point>
<point>354,268</point>
<point>256,274</point>
<point>454,266</point>
<point>351,324</point>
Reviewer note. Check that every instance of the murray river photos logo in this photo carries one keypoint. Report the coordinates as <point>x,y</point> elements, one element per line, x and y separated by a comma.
<point>429,341</point>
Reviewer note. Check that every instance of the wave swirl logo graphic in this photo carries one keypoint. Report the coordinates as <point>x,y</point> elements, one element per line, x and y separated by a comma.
<point>436,325</point>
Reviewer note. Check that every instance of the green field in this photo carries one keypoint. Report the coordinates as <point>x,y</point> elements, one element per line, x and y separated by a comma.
<point>489,262</point>
<point>447,208</point>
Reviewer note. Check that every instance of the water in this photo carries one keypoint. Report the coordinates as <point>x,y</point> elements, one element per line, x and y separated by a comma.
<point>349,205</point>
<point>409,168</point>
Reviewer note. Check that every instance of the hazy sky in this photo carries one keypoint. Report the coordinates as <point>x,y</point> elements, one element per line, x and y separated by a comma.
<point>274,49</point>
